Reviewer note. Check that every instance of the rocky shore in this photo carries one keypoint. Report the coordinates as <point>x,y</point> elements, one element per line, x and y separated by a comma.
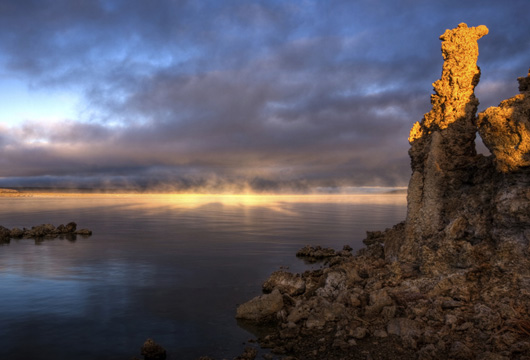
<point>363,307</point>
<point>450,282</point>
<point>41,232</point>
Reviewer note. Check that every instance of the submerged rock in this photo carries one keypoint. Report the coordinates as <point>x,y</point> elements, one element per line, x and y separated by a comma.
<point>83,232</point>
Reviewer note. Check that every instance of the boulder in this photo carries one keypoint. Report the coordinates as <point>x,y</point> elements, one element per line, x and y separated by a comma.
<point>378,300</point>
<point>249,353</point>
<point>153,351</point>
<point>261,308</point>
<point>84,232</point>
<point>5,235</point>
<point>70,227</point>
<point>285,282</point>
<point>17,233</point>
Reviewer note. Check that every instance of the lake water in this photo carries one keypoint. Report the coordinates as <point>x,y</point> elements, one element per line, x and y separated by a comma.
<point>169,267</point>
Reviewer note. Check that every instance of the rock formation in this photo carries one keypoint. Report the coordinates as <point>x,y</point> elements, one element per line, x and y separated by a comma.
<point>153,351</point>
<point>453,279</point>
<point>443,144</point>
<point>458,201</point>
<point>44,231</point>
<point>505,130</point>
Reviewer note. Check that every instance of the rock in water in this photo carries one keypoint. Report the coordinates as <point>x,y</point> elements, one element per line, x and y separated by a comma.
<point>84,232</point>
<point>262,308</point>
<point>5,235</point>
<point>152,351</point>
<point>249,354</point>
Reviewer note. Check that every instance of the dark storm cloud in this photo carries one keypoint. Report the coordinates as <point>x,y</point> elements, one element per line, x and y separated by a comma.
<point>235,91</point>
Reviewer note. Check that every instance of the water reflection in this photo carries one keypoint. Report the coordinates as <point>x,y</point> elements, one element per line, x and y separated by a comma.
<point>193,201</point>
<point>172,267</point>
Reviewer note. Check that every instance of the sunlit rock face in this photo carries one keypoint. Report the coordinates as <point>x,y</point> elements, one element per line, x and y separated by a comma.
<point>443,143</point>
<point>506,132</point>
<point>506,129</point>
<point>464,208</point>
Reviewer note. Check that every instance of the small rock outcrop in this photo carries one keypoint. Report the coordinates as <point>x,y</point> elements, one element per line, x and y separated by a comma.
<point>450,282</point>
<point>312,254</point>
<point>44,231</point>
<point>153,351</point>
<point>286,282</point>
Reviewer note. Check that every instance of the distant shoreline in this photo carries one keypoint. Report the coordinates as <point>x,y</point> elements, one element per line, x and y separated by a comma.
<point>30,191</point>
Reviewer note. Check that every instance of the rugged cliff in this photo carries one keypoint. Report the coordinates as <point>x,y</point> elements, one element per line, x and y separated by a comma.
<point>453,280</point>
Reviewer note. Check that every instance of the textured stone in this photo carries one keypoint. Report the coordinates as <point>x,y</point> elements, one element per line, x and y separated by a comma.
<point>442,144</point>
<point>153,351</point>
<point>262,308</point>
<point>285,282</point>
<point>378,300</point>
<point>505,130</point>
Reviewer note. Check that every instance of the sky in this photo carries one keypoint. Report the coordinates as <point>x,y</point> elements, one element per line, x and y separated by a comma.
<point>244,95</point>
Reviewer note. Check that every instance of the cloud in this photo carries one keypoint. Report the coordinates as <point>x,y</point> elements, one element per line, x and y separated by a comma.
<point>206,92</point>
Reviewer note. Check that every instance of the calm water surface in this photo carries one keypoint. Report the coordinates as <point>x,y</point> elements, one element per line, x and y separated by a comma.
<point>170,267</point>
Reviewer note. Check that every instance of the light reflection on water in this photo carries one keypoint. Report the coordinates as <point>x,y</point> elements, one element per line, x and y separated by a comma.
<point>171,267</point>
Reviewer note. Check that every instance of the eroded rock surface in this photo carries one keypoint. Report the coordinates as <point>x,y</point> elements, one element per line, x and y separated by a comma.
<point>505,130</point>
<point>458,201</point>
<point>443,143</point>
<point>261,309</point>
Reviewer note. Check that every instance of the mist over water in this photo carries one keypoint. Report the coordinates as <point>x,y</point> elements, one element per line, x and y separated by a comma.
<point>170,267</point>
